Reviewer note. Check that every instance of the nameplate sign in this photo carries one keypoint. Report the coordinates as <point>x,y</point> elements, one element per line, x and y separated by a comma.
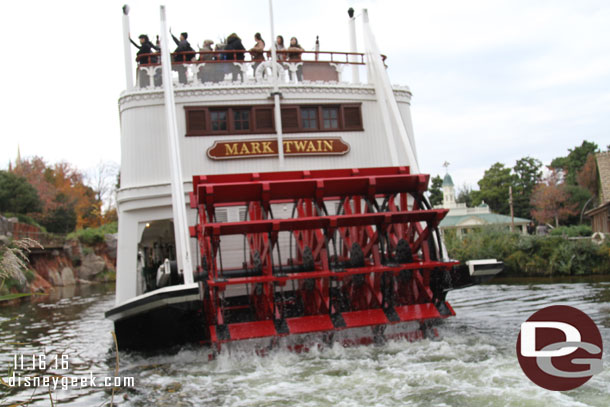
<point>224,150</point>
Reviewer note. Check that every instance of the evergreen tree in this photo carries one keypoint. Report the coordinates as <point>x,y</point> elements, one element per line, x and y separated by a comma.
<point>435,191</point>
<point>17,195</point>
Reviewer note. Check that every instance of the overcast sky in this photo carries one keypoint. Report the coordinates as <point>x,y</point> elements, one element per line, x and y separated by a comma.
<point>492,81</point>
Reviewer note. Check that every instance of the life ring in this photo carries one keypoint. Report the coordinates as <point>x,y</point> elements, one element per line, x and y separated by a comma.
<point>598,237</point>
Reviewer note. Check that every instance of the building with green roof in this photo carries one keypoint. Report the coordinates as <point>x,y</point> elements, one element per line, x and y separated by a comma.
<point>463,219</point>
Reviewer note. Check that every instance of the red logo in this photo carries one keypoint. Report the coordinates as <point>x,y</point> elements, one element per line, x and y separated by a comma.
<point>560,348</point>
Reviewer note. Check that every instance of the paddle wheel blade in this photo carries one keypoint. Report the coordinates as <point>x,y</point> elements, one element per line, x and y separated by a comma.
<point>359,248</point>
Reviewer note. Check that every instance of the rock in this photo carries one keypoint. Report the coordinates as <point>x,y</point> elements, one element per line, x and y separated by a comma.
<point>91,265</point>
<point>67,276</point>
<point>40,285</point>
<point>111,244</point>
<point>13,220</point>
<point>55,278</point>
<point>4,240</point>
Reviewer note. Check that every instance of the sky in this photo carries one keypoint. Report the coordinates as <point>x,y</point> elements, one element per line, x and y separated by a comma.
<point>492,81</point>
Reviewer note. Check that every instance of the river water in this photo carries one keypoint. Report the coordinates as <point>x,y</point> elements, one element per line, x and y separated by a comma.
<point>471,363</point>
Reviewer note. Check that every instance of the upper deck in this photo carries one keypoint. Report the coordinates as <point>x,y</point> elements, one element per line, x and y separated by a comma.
<point>213,68</point>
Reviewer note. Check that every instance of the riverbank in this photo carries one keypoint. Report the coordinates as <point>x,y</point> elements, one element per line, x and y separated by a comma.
<point>28,267</point>
<point>527,255</point>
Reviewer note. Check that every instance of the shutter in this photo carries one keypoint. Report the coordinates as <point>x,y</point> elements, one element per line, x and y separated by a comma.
<point>352,117</point>
<point>195,122</point>
<point>290,119</point>
<point>263,117</point>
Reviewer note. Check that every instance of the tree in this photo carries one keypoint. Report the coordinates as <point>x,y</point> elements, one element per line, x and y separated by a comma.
<point>574,161</point>
<point>17,195</point>
<point>493,188</point>
<point>102,179</point>
<point>435,191</point>
<point>527,174</point>
<point>550,201</point>
<point>587,176</point>
<point>464,195</point>
<point>60,220</point>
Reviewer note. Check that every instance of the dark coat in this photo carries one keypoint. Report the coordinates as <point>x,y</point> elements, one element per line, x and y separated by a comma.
<point>183,46</point>
<point>143,50</point>
<point>234,43</point>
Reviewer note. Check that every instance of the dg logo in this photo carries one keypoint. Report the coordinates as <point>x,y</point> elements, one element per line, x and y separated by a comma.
<point>560,348</point>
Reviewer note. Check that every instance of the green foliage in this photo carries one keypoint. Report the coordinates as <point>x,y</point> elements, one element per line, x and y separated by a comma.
<point>577,198</point>
<point>527,174</point>
<point>60,220</point>
<point>572,231</point>
<point>493,188</point>
<point>464,196</point>
<point>532,255</point>
<point>435,191</point>
<point>575,160</point>
<point>17,195</point>
<point>92,236</point>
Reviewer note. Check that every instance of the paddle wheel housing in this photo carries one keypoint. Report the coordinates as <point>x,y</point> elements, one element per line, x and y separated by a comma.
<point>361,248</point>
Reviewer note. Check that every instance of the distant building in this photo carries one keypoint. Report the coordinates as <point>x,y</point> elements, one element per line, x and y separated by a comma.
<point>600,216</point>
<point>463,219</point>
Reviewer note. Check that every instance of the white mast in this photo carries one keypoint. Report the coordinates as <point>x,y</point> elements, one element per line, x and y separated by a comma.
<point>183,248</point>
<point>127,48</point>
<point>276,92</point>
<point>385,97</point>
<point>352,45</point>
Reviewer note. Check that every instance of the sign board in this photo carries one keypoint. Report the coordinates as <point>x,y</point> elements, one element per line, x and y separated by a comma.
<point>224,150</point>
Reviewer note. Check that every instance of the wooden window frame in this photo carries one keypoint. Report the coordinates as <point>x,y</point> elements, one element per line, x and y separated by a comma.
<point>253,109</point>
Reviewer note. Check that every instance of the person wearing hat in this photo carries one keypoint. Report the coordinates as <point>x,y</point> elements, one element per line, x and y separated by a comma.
<point>184,53</point>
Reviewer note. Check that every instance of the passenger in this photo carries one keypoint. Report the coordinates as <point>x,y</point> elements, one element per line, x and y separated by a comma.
<point>257,51</point>
<point>295,50</point>
<point>184,53</point>
<point>207,47</point>
<point>294,55</point>
<point>144,58</point>
<point>279,46</point>
<point>146,47</point>
<point>234,44</point>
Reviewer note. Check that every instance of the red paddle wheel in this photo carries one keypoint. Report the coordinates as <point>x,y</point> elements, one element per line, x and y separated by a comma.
<point>361,248</point>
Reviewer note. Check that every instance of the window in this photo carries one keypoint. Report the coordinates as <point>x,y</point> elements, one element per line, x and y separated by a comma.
<point>330,117</point>
<point>309,118</point>
<point>241,119</point>
<point>218,119</point>
<point>260,119</point>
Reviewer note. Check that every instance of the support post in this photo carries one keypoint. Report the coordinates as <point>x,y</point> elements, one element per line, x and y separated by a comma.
<point>276,92</point>
<point>352,46</point>
<point>127,49</point>
<point>183,247</point>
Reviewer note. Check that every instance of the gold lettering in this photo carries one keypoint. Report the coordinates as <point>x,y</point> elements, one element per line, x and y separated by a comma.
<point>287,146</point>
<point>311,147</point>
<point>231,149</point>
<point>244,149</point>
<point>300,145</point>
<point>256,149</point>
<point>267,147</point>
<point>328,145</point>
<point>319,145</point>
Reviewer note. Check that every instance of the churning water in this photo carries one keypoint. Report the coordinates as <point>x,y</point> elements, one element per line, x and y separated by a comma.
<point>471,363</point>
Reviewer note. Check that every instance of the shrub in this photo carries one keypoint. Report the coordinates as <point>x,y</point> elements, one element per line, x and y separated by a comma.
<point>572,231</point>
<point>532,255</point>
<point>93,236</point>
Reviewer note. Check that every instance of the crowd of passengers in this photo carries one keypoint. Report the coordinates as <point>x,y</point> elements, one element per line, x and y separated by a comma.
<point>148,52</point>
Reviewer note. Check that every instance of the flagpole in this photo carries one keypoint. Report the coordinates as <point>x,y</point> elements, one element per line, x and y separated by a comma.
<point>127,48</point>
<point>276,91</point>
<point>183,248</point>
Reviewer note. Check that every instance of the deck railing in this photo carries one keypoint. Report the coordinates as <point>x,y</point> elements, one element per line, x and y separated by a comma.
<point>201,68</point>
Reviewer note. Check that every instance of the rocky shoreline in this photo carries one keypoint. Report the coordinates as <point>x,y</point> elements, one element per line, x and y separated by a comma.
<point>71,264</point>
